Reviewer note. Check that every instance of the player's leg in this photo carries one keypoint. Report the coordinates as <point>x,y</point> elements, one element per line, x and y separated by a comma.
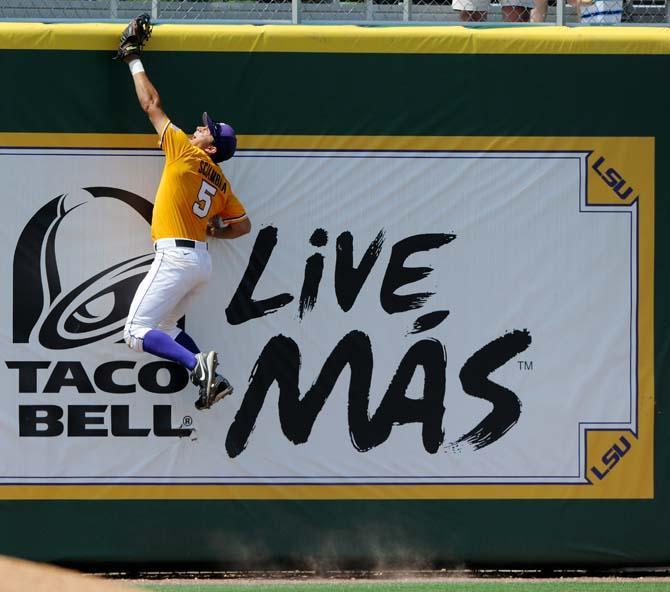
<point>153,301</point>
<point>160,344</point>
<point>202,372</point>
<point>169,323</point>
<point>184,339</point>
<point>213,386</point>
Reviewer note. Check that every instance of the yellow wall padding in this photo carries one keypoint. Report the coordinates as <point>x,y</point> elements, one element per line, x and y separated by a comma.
<point>346,39</point>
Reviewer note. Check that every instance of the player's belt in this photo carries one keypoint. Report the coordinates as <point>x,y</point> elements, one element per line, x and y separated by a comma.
<point>169,243</point>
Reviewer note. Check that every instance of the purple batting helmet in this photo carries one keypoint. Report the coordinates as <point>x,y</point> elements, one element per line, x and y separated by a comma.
<point>225,139</point>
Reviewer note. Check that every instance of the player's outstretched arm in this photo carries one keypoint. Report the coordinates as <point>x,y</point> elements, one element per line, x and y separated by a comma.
<point>131,44</point>
<point>147,94</point>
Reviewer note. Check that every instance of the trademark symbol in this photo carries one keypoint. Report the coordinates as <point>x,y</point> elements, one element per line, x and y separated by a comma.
<point>187,421</point>
<point>525,365</point>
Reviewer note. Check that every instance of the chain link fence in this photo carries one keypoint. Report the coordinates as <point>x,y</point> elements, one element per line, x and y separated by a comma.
<point>585,12</point>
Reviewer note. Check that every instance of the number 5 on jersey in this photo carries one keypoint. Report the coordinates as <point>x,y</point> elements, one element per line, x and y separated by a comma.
<point>202,205</point>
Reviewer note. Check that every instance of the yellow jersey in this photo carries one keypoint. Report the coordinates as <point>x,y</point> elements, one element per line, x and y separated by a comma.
<point>192,190</point>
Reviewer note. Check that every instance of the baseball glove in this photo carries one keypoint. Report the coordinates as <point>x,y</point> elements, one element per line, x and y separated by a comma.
<point>134,37</point>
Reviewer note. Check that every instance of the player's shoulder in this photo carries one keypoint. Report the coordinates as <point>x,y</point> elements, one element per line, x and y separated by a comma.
<point>174,129</point>
<point>174,133</point>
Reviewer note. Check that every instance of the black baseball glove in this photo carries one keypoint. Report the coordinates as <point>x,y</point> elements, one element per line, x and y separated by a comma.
<point>134,36</point>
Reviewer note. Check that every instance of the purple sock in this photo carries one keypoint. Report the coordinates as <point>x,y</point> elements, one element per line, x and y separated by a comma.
<point>162,345</point>
<point>185,339</point>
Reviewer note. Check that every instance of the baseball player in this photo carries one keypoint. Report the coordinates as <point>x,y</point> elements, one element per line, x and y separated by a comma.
<point>194,199</point>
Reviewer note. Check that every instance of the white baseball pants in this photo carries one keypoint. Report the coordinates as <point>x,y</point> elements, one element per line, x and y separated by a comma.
<point>177,274</point>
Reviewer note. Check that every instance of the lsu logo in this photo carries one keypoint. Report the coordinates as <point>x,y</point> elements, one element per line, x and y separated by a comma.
<point>613,179</point>
<point>62,307</point>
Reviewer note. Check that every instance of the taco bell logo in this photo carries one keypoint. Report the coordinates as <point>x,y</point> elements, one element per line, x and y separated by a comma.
<point>74,279</point>
<point>65,299</point>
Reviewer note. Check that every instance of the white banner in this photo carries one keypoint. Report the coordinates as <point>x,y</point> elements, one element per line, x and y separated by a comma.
<point>393,317</point>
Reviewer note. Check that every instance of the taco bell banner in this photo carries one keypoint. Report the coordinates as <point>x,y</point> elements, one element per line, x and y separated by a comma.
<point>397,317</point>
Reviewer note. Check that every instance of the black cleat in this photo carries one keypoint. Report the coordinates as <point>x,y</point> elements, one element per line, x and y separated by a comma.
<point>204,377</point>
<point>222,388</point>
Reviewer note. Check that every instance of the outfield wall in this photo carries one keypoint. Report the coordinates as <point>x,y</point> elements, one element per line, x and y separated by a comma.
<point>446,329</point>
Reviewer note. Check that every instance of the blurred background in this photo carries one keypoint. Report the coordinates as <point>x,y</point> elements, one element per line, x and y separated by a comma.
<point>370,12</point>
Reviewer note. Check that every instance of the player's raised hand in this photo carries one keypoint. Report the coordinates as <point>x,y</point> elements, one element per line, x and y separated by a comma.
<point>134,37</point>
